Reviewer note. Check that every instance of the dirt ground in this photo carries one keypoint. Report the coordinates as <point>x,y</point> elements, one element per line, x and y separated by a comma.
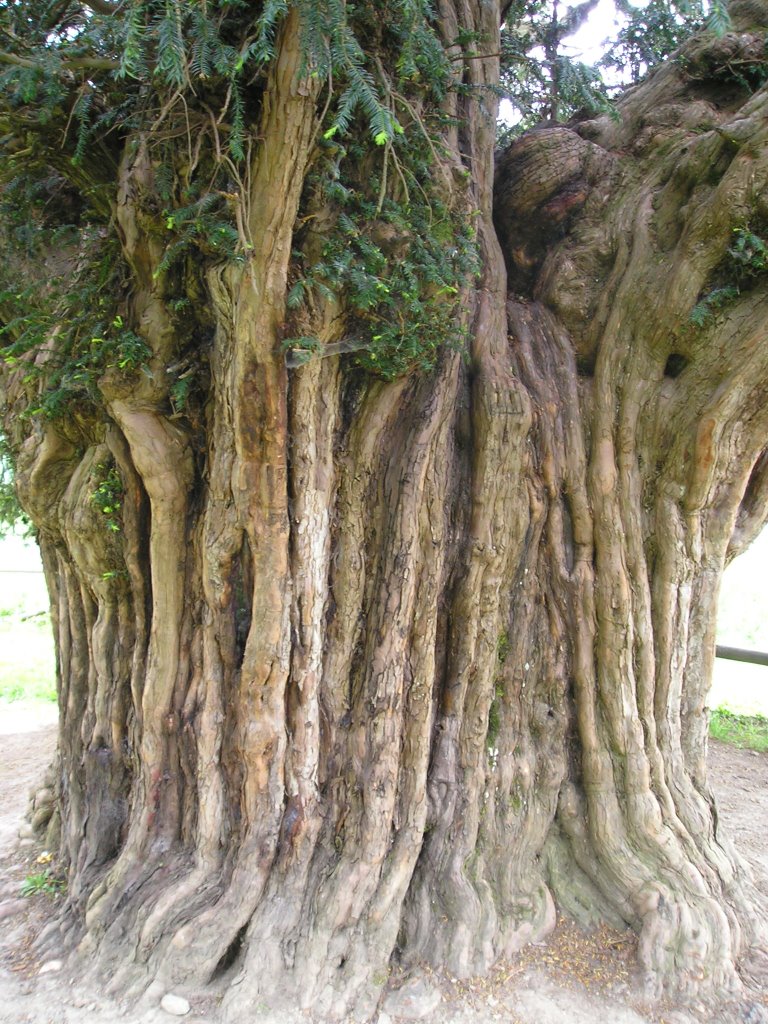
<point>574,978</point>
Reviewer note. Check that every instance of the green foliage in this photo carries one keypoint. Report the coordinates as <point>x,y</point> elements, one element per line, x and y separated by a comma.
<point>91,338</point>
<point>11,513</point>
<point>331,43</point>
<point>744,264</point>
<point>107,496</point>
<point>179,393</point>
<point>220,49</point>
<point>748,254</point>
<point>62,282</point>
<point>705,309</point>
<point>651,33</point>
<point>84,87</point>
<point>184,47</point>
<point>183,76</point>
<point>581,88</point>
<point>719,20</point>
<point>399,250</point>
<point>301,349</point>
<point>541,80</point>
<point>396,264</point>
<point>502,647</point>
<point>43,883</point>
<point>546,83</point>
<point>203,226</point>
<point>746,731</point>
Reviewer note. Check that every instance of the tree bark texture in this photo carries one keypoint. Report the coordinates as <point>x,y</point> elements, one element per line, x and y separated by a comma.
<point>378,670</point>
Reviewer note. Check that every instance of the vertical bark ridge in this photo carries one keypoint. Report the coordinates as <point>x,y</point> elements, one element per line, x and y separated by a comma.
<point>315,403</point>
<point>254,385</point>
<point>357,892</point>
<point>282,912</point>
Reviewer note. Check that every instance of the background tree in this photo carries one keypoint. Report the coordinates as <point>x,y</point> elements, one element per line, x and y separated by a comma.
<point>538,75</point>
<point>545,79</point>
<point>383,566</point>
<point>652,32</point>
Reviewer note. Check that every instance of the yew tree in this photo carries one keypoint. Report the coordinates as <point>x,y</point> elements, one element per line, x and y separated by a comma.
<point>383,487</point>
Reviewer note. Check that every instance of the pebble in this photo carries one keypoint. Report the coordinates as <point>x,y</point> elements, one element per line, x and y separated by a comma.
<point>11,907</point>
<point>413,1000</point>
<point>176,1005</point>
<point>51,966</point>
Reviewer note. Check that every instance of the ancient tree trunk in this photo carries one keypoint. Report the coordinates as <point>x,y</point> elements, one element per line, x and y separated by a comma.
<point>377,669</point>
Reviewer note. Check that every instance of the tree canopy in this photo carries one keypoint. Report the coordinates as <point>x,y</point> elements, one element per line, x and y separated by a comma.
<point>78,79</point>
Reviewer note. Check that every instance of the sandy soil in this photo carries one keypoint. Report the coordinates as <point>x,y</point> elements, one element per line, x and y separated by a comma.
<point>572,979</point>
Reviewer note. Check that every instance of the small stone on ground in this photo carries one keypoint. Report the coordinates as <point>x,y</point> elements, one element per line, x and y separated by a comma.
<point>51,967</point>
<point>176,1005</point>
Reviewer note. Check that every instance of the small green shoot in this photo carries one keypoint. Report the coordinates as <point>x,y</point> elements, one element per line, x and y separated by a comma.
<point>745,262</point>
<point>43,882</point>
<point>107,497</point>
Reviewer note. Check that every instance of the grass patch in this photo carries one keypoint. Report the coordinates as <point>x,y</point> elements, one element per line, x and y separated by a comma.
<point>27,661</point>
<point>745,731</point>
<point>44,882</point>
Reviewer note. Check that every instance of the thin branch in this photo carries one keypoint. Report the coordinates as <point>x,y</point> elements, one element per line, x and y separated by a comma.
<point>91,64</point>
<point>73,64</point>
<point>21,62</point>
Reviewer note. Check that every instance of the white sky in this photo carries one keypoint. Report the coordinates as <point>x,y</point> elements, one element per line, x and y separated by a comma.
<point>586,45</point>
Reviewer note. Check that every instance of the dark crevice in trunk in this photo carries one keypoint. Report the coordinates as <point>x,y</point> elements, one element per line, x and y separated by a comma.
<point>675,365</point>
<point>242,599</point>
<point>231,957</point>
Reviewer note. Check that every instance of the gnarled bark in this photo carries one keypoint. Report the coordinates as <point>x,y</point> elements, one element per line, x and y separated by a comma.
<point>391,669</point>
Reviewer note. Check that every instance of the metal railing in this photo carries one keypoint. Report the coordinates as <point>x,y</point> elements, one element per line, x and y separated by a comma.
<point>739,654</point>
